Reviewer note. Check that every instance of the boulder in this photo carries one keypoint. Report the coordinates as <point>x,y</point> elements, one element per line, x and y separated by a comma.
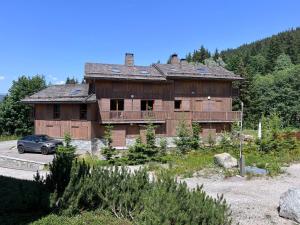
<point>289,204</point>
<point>225,160</point>
<point>248,138</point>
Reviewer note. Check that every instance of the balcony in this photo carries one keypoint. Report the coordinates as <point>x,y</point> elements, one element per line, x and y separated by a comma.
<point>133,116</point>
<point>230,116</point>
<point>162,116</point>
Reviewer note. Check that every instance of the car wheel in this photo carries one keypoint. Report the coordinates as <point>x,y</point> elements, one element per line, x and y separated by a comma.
<point>21,149</point>
<point>44,150</point>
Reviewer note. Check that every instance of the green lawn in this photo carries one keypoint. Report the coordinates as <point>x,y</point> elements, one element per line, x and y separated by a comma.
<point>186,165</point>
<point>8,137</point>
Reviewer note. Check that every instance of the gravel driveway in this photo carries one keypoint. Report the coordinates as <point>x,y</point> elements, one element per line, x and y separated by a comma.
<point>9,148</point>
<point>254,201</point>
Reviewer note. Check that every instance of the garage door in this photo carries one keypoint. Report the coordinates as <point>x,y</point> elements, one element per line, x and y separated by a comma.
<point>53,130</point>
<point>79,132</point>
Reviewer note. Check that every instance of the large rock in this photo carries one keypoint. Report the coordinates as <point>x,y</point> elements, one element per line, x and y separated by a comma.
<point>225,160</point>
<point>289,204</point>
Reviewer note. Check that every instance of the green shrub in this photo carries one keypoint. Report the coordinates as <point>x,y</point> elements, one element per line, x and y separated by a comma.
<point>90,218</point>
<point>134,197</point>
<point>108,151</point>
<point>140,152</point>
<point>183,139</point>
<point>171,203</point>
<point>113,189</point>
<point>195,140</point>
<point>59,170</point>
<point>163,145</point>
<point>22,196</point>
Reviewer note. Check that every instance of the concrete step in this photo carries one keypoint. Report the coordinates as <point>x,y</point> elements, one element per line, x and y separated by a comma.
<point>20,164</point>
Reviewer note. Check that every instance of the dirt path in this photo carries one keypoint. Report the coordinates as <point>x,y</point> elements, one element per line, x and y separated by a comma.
<point>255,201</point>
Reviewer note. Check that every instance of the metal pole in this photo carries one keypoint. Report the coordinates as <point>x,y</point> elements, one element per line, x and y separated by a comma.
<point>242,160</point>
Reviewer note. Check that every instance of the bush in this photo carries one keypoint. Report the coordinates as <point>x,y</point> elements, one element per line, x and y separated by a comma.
<point>187,139</point>
<point>21,196</point>
<point>133,196</point>
<point>108,151</point>
<point>110,189</point>
<point>181,206</point>
<point>140,152</point>
<point>271,139</point>
<point>22,201</point>
<point>183,139</point>
<point>59,170</point>
<point>90,218</point>
<point>163,145</point>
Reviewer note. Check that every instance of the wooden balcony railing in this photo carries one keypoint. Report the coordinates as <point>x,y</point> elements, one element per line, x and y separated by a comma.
<point>162,116</point>
<point>230,116</point>
<point>131,116</point>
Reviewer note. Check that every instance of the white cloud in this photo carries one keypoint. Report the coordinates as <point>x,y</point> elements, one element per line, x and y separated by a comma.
<point>2,77</point>
<point>60,82</point>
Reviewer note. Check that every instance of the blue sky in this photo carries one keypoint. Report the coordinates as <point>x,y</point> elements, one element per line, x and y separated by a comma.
<point>55,38</point>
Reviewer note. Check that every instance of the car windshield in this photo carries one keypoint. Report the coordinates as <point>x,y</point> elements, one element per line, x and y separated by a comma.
<point>44,138</point>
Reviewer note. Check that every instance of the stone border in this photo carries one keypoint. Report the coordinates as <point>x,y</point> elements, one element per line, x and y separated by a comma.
<point>20,164</point>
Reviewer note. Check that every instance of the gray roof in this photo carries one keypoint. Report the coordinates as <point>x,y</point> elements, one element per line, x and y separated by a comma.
<point>191,70</point>
<point>73,93</point>
<point>117,71</point>
<point>159,72</point>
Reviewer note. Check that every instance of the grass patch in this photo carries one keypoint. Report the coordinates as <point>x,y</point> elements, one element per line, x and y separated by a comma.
<point>8,137</point>
<point>91,218</point>
<point>186,165</point>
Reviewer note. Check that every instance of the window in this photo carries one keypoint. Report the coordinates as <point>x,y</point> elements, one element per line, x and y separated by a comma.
<point>117,104</point>
<point>27,138</point>
<point>56,111</point>
<point>83,112</point>
<point>147,105</point>
<point>177,104</point>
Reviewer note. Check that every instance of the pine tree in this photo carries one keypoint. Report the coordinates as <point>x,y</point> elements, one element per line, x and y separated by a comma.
<point>108,151</point>
<point>216,55</point>
<point>273,52</point>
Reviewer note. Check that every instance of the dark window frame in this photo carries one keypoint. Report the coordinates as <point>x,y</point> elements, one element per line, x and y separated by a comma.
<point>83,111</point>
<point>56,111</point>
<point>145,102</point>
<point>176,102</point>
<point>119,104</point>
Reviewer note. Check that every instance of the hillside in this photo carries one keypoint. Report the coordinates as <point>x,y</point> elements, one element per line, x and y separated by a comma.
<point>1,97</point>
<point>271,68</point>
<point>267,50</point>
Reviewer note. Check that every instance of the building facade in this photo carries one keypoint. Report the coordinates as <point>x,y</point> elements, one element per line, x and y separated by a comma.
<point>129,96</point>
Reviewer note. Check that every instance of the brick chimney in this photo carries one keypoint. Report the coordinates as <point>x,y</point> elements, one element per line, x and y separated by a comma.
<point>129,59</point>
<point>174,59</point>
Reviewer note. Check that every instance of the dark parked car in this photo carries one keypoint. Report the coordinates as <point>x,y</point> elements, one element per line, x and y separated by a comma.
<point>38,143</point>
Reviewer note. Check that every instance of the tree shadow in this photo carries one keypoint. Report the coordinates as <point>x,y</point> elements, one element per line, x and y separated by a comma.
<point>22,201</point>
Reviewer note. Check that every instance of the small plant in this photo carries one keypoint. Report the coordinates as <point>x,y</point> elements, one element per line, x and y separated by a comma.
<point>163,144</point>
<point>108,151</point>
<point>211,141</point>
<point>184,137</point>
<point>59,170</point>
<point>140,152</point>
<point>195,140</point>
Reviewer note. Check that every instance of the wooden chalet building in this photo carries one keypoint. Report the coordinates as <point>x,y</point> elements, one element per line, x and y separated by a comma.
<point>129,96</point>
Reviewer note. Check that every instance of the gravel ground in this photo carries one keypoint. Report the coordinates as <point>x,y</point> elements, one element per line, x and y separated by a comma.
<point>9,148</point>
<point>20,174</point>
<point>254,201</point>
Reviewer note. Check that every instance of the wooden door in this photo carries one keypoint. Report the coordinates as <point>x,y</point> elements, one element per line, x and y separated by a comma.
<point>119,138</point>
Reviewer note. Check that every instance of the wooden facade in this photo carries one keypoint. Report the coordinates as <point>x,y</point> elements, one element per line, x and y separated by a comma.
<point>129,104</point>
